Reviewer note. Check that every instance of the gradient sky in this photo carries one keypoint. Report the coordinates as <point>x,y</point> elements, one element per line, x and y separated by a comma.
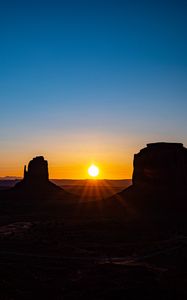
<point>90,81</point>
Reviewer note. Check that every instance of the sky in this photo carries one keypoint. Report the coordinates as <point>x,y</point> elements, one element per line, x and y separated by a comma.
<point>86,82</point>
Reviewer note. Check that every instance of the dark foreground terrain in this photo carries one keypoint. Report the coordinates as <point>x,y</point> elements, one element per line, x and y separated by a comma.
<point>88,250</point>
<point>89,189</point>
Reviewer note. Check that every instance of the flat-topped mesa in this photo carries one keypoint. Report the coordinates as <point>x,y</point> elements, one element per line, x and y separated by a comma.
<point>161,165</point>
<point>37,171</point>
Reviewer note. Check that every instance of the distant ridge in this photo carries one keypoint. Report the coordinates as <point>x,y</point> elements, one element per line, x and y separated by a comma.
<point>11,178</point>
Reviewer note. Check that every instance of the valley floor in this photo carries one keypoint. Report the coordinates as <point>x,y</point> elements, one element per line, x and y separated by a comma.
<point>56,257</point>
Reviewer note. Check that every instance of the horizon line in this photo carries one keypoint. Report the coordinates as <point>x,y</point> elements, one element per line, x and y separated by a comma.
<point>93,179</point>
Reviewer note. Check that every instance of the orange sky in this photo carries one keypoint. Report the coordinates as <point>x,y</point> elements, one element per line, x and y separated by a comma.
<point>70,154</point>
<point>70,157</point>
<point>71,169</point>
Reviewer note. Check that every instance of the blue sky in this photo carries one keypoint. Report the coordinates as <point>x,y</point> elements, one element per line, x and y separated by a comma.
<point>112,73</point>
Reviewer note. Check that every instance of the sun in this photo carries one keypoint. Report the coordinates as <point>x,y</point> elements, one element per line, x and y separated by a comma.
<point>93,171</point>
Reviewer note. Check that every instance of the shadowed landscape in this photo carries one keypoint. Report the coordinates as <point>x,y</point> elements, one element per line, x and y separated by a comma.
<point>94,189</point>
<point>77,240</point>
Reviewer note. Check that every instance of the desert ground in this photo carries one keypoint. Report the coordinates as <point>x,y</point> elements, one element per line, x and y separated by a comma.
<point>88,250</point>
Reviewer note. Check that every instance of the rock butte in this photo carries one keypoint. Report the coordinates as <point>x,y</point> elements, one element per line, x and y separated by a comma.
<point>161,165</point>
<point>37,171</point>
<point>36,178</point>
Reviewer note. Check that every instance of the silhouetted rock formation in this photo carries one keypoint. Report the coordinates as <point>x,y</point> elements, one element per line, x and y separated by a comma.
<point>36,178</point>
<point>161,165</point>
<point>159,189</point>
<point>37,171</point>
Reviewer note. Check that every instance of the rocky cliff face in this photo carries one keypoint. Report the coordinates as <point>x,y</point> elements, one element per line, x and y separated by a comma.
<point>161,165</point>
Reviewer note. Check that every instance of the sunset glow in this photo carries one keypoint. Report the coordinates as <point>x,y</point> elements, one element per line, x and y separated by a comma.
<point>84,83</point>
<point>93,171</point>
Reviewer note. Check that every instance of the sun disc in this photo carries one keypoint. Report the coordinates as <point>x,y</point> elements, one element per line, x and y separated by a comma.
<point>93,171</point>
